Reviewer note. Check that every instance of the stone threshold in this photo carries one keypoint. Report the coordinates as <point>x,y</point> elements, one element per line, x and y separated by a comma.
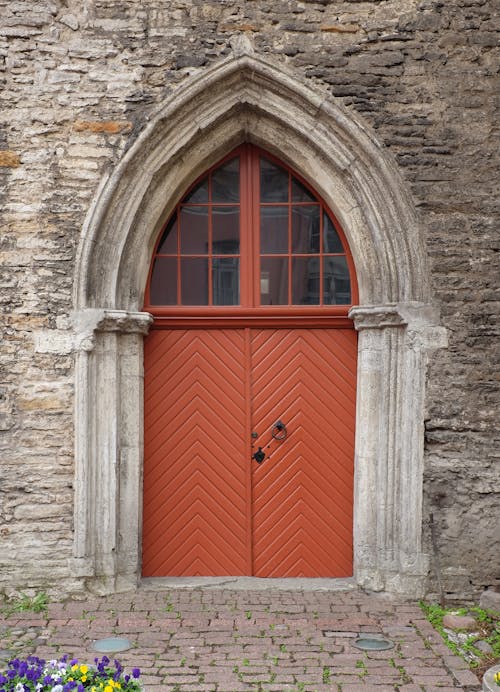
<point>249,583</point>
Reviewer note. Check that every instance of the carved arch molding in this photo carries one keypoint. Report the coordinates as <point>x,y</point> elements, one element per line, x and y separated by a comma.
<point>244,98</point>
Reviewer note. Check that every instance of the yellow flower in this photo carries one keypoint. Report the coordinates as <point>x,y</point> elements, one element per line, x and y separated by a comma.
<point>74,667</point>
<point>84,669</point>
<point>83,678</point>
<point>108,688</point>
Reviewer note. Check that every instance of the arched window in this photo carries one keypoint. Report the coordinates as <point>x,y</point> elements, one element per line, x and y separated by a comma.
<point>251,233</point>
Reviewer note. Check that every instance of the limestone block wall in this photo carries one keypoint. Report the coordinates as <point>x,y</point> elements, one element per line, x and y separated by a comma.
<point>80,81</point>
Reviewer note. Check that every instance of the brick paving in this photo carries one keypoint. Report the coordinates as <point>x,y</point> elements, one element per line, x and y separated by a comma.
<point>222,640</point>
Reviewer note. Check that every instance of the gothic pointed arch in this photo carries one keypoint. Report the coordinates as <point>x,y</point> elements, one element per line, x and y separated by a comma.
<point>246,99</point>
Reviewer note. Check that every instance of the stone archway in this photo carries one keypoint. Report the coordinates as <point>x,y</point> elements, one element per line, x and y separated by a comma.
<point>241,99</point>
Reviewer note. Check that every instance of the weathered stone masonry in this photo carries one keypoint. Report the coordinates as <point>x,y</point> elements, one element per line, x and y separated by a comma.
<point>81,81</point>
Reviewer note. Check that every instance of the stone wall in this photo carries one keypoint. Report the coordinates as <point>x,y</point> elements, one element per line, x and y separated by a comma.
<point>80,81</point>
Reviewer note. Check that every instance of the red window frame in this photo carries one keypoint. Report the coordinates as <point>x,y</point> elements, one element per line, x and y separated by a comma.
<point>250,310</point>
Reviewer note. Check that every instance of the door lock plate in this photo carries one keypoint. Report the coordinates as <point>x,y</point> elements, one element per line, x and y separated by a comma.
<point>259,455</point>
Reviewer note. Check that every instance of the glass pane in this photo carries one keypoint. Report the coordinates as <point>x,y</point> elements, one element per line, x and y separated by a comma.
<point>273,182</point>
<point>225,230</point>
<point>163,287</point>
<point>274,230</point>
<point>305,280</point>
<point>305,229</point>
<point>225,281</point>
<point>194,281</point>
<point>331,240</point>
<point>199,193</point>
<point>226,182</point>
<point>274,281</point>
<point>336,283</point>
<point>168,243</point>
<point>301,193</point>
<point>194,230</point>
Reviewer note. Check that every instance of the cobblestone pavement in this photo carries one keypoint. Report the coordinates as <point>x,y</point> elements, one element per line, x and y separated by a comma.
<point>221,640</point>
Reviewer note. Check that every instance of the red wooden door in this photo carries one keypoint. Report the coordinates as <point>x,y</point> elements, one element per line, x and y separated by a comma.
<point>212,398</point>
<point>250,286</point>
<point>196,492</point>
<point>302,493</point>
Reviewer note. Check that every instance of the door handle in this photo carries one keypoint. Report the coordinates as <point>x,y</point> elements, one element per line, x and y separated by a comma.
<point>279,431</point>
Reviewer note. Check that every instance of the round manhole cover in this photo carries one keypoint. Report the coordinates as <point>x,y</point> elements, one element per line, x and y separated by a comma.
<point>370,643</point>
<point>112,645</point>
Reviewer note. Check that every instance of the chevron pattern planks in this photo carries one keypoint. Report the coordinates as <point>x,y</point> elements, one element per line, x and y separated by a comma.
<point>302,494</point>
<point>195,482</point>
<point>210,510</point>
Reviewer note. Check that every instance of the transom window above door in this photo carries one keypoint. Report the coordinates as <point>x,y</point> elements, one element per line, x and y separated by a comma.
<point>251,233</point>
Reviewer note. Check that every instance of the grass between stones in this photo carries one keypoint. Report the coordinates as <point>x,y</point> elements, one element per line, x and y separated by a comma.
<point>479,648</point>
<point>22,603</point>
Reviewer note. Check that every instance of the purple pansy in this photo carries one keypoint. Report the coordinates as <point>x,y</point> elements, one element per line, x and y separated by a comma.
<point>64,675</point>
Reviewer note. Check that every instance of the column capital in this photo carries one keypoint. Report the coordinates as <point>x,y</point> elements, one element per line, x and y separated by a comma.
<point>91,320</point>
<point>417,317</point>
<point>376,317</point>
<point>124,321</point>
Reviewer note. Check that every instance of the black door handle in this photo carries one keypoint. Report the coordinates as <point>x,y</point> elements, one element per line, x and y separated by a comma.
<point>279,431</point>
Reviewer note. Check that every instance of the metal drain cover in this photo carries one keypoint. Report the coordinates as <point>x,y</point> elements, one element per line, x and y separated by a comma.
<point>112,645</point>
<point>372,643</point>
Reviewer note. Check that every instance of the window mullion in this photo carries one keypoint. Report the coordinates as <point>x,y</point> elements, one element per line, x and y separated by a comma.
<point>179,264</point>
<point>245,232</point>
<point>254,227</point>
<point>321,255</point>
<point>209,248</point>
<point>290,263</point>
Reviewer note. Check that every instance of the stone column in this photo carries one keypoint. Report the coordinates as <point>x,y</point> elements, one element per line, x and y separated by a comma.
<point>108,447</point>
<point>394,343</point>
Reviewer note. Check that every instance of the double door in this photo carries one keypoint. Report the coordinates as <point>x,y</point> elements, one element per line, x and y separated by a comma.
<point>249,445</point>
